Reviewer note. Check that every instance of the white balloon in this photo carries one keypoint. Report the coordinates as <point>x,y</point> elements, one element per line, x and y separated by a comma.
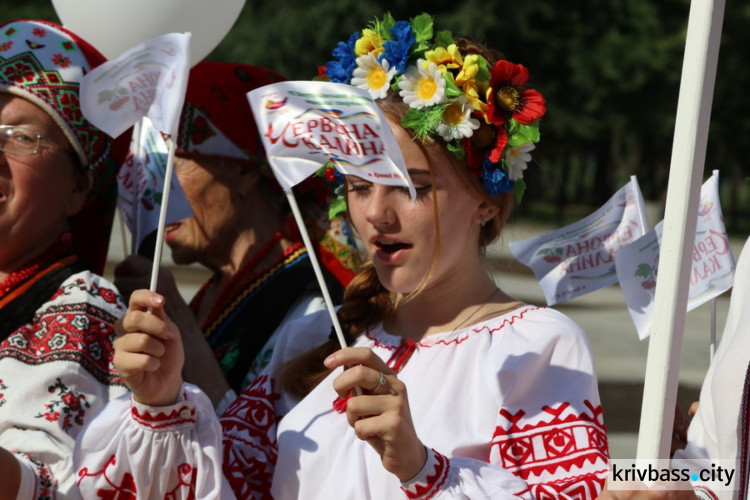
<point>114,26</point>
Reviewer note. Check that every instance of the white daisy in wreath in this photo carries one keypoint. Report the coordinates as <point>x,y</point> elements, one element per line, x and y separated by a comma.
<point>457,122</point>
<point>422,85</point>
<point>517,159</point>
<point>372,75</point>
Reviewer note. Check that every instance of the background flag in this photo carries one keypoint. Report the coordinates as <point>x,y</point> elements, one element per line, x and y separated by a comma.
<point>579,258</point>
<point>147,80</point>
<point>141,185</point>
<point>712,271</point>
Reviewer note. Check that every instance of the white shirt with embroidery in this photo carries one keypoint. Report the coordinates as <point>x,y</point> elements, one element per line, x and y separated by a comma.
<point>508,408</point>
<point>55,374</point>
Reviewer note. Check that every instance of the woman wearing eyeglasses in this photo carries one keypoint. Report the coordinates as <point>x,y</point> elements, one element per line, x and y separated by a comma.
<point>57,195</point>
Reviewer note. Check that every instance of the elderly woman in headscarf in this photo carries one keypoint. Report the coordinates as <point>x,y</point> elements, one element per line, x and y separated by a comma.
<point>57,195</point>
<point>242,231</point>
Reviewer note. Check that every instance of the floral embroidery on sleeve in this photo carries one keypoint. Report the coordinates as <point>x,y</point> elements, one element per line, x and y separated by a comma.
<point>68,406</point>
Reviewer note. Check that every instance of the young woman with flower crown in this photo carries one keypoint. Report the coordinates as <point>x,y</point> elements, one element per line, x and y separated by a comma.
<point>502,398</point>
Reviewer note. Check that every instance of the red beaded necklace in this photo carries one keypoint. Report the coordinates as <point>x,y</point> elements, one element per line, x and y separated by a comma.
<point>237,282</point>
<point>19,276</point>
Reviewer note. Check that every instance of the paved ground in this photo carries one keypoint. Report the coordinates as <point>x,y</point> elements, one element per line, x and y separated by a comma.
<point>619,356</point>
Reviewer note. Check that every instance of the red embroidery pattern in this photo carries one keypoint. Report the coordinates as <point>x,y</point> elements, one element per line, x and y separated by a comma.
<point>184,414</point>
<point>584,487</point>
<point>567,441</point>
<point>434,482</point>
<point>45,486</point>
<point>186,476</point>
<point>3,387</point>
<point>250,447</point>
<point>460,338</point>
<point>80,332</point>
<point>72,405</point>
<point>127,490</point>
<point>61,60</point>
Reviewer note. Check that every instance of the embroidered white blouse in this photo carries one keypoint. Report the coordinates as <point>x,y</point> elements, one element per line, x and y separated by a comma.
<point>55,374</point>
<point>508,408</point>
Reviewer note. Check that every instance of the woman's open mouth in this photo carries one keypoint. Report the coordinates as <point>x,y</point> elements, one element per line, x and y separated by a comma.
<point>390,251</point>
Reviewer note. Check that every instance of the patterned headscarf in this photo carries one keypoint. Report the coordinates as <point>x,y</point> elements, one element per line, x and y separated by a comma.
<point>216,118</point>
<point>217,121</point>
<point>43,62</point>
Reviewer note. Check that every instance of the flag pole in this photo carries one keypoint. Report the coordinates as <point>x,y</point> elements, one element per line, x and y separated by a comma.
<point>135,139</point>
<point>318,273</point>
<point>712,327</point>
<point>680,222</point>
<point>316,267</point>
<point>162,214</point>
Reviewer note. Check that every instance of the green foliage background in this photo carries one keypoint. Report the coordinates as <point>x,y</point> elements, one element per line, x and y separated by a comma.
<point>610,72</point>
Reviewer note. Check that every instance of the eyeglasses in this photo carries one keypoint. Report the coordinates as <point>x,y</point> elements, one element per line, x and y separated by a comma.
<point>22,141</point>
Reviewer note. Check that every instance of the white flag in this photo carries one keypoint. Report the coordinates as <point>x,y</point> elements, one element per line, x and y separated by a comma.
<point>637,267</point>
<point>712,270</point>
<point>140,183</point>
<point>579,258</point>
<point>147,80</point>
<point>305,125</point>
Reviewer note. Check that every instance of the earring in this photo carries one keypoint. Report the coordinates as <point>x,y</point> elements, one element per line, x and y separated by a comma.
<point>481,220</point>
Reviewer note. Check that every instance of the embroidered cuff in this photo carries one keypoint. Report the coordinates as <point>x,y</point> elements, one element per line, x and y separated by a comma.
<point>156,418</point>
<point>430,479</point>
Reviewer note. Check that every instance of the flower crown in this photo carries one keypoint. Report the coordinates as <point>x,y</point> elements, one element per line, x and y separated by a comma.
<point>485,115</point>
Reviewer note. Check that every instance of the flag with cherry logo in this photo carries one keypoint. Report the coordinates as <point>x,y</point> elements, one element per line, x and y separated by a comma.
<point>579,258</point>
<point>712,270</point>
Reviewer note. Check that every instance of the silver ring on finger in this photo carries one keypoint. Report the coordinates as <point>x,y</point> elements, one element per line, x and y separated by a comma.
<point>381,380</point>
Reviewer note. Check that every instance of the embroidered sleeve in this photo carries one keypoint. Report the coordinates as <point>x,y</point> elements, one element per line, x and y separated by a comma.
<point>561,452</point>
<point>172,452</point>
<point>250,448</point>
<point>57,373</point>
<point>119,452</point>
<point>455,478</point>
<point>550,429</point>
<point>549,440</point>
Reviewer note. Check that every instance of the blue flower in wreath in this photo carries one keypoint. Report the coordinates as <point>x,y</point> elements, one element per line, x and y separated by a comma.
<point>398,47</point>
<point>495,180</point>
<point>340,70</point>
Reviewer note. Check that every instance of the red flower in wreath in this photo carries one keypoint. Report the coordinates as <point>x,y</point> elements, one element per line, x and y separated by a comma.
<point>506,95</point>
<point>487,141</point>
